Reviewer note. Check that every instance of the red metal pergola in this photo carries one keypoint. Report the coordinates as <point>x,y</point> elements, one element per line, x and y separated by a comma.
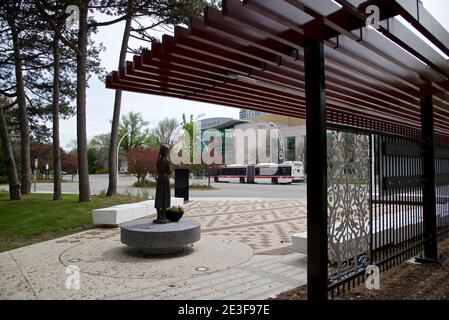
<point>318,60</point>
<point>251,55</point>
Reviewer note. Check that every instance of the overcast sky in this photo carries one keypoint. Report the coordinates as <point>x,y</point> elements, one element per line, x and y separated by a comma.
<point>154,108</point>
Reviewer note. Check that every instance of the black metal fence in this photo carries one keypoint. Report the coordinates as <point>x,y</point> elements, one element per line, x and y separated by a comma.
<point>397,221</point>
<point>395,196</point>
<point>442,189</point>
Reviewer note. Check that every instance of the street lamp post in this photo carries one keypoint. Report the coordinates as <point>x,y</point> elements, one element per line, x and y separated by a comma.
<point>118,148</point>
<point>281,154</point>
<point>35,173</point>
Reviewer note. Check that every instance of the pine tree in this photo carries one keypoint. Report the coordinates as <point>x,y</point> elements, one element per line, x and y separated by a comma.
<point>10,164</point>
<point>143,16</point>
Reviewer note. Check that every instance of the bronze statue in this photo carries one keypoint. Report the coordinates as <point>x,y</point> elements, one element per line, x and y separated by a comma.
<point>162,201</point>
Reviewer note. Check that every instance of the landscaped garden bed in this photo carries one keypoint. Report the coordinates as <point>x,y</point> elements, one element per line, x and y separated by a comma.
<point>407,281</point>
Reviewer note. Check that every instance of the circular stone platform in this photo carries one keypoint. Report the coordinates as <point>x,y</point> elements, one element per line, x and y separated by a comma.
<point>110,258</point>
<point>155,238</point>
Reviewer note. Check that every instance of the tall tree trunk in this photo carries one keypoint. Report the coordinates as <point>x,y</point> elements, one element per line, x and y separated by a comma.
<point>112,159</point>
<point>55,110</point>
<point>83,170</point>
<point>13,180</point>
<point>23,116</point>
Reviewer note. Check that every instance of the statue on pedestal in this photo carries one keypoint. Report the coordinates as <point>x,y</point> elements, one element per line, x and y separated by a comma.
<point>162,201</point>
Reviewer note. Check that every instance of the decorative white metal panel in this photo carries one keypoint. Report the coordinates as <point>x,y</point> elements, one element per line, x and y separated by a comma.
<point>348,203</point>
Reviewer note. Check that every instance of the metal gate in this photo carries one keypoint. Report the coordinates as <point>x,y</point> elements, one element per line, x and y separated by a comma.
<point>442,189</point>
<point>396,200</point>
<point>349,187</point>
<point>375,203</point>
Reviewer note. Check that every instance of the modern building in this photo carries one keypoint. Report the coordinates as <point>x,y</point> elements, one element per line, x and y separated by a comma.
<point>286,141</point>
<point>292,132</point>
<point>225,126</point>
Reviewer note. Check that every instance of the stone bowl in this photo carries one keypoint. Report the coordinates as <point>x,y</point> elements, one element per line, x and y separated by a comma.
<point>174,216</point>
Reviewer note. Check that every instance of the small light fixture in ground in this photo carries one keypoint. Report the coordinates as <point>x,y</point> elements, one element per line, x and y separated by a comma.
<point>202,269</point>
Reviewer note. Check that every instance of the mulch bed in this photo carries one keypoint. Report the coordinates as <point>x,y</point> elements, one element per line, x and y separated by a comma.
<point>407,281</point>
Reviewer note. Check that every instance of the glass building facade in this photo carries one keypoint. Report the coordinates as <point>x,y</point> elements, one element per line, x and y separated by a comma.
<point>245,114</point>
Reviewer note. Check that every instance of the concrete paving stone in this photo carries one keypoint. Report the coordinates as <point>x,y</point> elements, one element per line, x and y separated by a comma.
<point>13,284</point>
<point>208,290</point>
<point>109,270</point>
<point>257,291</point>
<point>244,281</point>
<point>242,288</point>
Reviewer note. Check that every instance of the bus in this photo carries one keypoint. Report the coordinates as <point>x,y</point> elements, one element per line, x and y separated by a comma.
<point>287,172</point>
<point>297,170</point>
<point>232,173</point>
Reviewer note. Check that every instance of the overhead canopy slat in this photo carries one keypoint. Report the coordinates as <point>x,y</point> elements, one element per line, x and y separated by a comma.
<point>250,55</point>
<point>414,12</point>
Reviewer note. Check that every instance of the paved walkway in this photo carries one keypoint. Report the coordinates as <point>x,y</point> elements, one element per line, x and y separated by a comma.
<point>265,225</point>
<point>245,251</point>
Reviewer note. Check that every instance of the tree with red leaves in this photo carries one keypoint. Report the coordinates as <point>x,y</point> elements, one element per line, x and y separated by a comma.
<point>42,152</point>
<point>69,163</point>
<point>142,161</point>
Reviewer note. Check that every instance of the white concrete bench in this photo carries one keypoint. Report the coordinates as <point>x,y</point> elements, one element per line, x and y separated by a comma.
<point>300,242</point>
<point>115,215</point>
<point>382,235</point>
<point>414,220</point>
<point>443,213</point>
<point>391,228</point>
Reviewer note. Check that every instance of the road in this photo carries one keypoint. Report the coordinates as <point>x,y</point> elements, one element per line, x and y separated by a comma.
<point>99,183</point>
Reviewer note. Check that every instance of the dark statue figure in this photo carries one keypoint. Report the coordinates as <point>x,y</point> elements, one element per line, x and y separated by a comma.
<point>162,201</point>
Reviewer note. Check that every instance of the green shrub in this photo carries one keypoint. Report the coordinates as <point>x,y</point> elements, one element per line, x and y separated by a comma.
<point>101,171</point>
<point>102,194</point>
<point>201,186</point>
<point>175,209</point>
<point>148,184</point>
<point>143,194</point>
<point>145,184</point>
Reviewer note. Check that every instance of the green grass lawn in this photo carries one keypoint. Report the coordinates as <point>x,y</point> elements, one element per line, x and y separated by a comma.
<point>38,218</point>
